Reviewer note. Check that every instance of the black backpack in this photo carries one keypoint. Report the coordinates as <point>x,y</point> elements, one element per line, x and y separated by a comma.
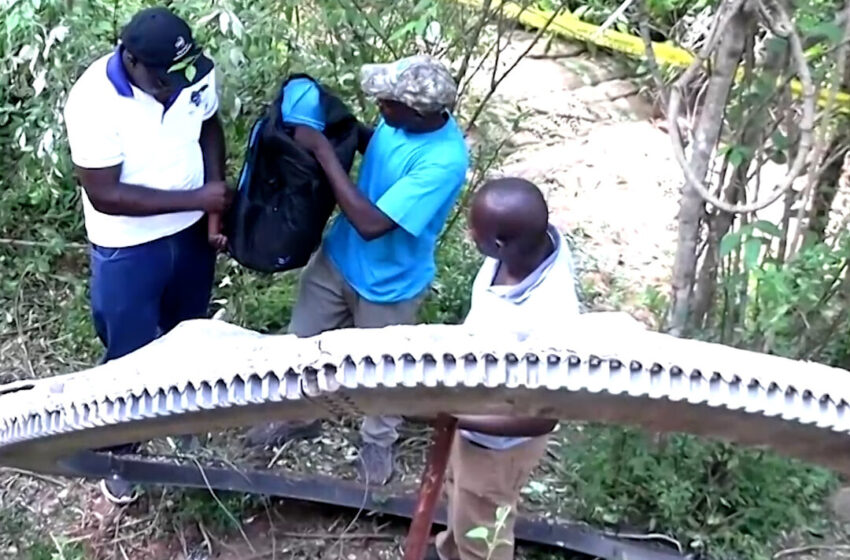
<point>284,200</point>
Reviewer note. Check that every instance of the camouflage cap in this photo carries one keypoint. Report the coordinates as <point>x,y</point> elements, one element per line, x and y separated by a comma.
<point>420,82</point>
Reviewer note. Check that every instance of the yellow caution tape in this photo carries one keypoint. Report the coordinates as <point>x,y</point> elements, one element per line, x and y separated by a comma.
<point>568,25</point>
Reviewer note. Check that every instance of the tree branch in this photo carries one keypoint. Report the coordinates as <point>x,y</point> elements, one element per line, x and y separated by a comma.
<point>519,58</point>
<point>821,142</point>
<point>652,62</point>
<point>784,25</point>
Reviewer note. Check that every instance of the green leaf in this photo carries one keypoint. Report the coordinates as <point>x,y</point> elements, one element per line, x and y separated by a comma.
<point>738,155</point>
<point>729,242</point>
<point>768,227</point>
<point>829,30</point>
<point>776,45</point>
<point>191,71</point>
<point>752,250</point>
<point>179,66</point>
<point>780,141</point>
<point>479,533</point>
<point>403,30</point>
<point>778,157</point>
<point>765,85</point>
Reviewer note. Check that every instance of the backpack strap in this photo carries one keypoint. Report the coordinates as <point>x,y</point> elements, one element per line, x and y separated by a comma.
<point>251,153</point>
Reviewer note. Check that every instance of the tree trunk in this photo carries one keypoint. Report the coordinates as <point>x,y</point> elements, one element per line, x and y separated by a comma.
<point>720,222</point>
<point>825,192</point>
<point>706,134</point>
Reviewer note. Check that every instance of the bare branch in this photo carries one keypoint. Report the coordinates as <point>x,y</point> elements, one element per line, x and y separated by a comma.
<point>472,40</point>
<point>811,548</point>
<point>381,35</point>
<point>613,17</point>
<point>652,62</point>
<point>823,138</point>
<point>25,243</point>
<point>519,58</point>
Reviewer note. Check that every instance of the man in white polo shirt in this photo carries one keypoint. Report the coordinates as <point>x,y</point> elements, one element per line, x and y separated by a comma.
<point>148,148</point>
<point>525,285</point>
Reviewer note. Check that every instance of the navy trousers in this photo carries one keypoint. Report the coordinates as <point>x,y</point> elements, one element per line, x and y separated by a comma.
<point>140,293</point>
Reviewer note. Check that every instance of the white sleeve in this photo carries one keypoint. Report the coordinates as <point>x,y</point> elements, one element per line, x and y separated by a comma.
<point>210,96</point>
<point>92,131</point>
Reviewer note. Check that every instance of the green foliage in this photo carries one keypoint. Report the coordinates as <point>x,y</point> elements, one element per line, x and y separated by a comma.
<point>13,527</point>
<point>712,496</point>
<point>457,263</point>
<point>657,302</point>
<point>796,309</point>
<point>20,540</point>
<point>188,507</point>
<point>663,14</point>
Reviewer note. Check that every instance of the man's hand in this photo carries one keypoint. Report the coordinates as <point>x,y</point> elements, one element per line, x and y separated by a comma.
<point>366,218</point>
<point>218,242</point>
<point>214,235</point>
<point>311,139</point>
<point>214,197</point>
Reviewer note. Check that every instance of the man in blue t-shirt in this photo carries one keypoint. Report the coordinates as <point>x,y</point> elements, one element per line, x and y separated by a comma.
<point>377,260</point>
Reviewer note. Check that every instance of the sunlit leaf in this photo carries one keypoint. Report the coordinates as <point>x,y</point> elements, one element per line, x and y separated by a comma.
<point>223,22</point>
<point>738,155</point>
<point>780,141</point>
<point>830,31</point>
<point>729,243</point>
<point>768,227</point>
<point>478,533</point>
<point>752,250</point>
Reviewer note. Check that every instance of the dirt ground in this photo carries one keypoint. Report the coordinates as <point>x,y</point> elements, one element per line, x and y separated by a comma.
<point>590,143</point>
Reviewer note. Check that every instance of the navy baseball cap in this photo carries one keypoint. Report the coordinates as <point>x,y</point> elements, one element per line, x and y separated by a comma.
<point>163,43</point>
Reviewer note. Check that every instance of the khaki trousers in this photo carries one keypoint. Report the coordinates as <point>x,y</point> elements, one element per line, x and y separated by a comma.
<point>478,482</point>
<point>326,302</point>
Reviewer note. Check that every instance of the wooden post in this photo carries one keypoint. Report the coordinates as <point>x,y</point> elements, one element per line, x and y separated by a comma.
<point>429,490</point>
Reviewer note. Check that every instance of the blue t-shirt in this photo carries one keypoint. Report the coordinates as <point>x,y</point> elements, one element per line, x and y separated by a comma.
<point>414,179</point>
<point>302,104</point>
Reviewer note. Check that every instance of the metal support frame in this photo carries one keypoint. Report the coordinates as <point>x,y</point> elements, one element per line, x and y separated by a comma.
<point>329,491</point>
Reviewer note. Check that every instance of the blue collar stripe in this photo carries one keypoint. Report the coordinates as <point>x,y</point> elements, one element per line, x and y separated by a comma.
<point>117,75</point>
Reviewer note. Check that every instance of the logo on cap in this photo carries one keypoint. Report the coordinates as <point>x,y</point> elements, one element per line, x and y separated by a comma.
<point>182,48</point>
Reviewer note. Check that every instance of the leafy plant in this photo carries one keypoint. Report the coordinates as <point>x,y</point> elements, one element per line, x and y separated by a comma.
<point>492,538</point>
<point>713,497</point>
<point>186,507</point>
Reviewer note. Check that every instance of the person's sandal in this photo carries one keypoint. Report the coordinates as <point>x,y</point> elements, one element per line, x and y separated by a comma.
<point>118,491</point>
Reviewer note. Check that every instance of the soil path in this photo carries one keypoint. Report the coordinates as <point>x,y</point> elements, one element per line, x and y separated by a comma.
<point>590,143</point>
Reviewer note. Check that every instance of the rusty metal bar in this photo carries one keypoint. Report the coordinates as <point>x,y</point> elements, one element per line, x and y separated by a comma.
<point>429,489</point>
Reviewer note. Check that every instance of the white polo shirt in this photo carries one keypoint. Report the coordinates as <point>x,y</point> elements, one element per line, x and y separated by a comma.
<point>111,122</point>
<point>545,300</point>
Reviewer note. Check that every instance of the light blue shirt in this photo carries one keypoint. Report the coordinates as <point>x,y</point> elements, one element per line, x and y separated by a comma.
<point>414,179</point>
<point>302,104</point>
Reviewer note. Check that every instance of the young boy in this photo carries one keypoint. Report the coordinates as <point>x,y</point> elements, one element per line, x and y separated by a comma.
<point>526,284</point>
